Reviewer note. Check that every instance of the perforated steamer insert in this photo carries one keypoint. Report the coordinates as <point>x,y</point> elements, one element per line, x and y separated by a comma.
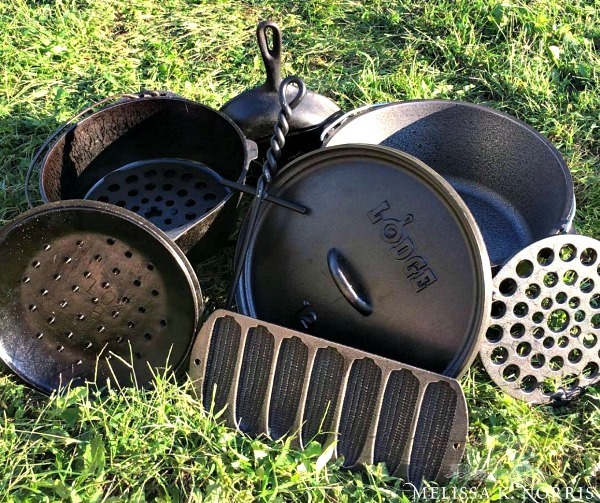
<point>542,342</point>
<point>171,193</point>
<point>91,291</point>
<point>277,381</point>
<point>174,194</point>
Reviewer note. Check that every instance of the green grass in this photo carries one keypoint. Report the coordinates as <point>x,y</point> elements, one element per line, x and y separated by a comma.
<point>536,60</point>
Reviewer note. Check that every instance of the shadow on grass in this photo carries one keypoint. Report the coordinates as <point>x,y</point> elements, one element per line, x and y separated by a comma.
<point>22,134</point>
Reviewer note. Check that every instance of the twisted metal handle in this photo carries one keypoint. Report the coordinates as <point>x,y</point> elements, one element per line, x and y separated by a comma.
<point>270,167</point>
<point>268,171</point>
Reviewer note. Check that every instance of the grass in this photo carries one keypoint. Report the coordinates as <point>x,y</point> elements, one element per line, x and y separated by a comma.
<point>536,60</point>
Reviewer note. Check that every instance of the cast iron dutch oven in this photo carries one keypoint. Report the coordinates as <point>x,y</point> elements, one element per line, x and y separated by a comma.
<point>512,178</point>
<point>127,154</point>
<point>388,259</point>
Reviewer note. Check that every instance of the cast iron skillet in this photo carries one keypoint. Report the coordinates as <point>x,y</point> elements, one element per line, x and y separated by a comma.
<point>255,111</point>
<point>513,180</point>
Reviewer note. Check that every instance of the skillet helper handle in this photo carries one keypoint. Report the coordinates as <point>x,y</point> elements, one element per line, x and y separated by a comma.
<point>252,149</point>
<point>35,161</point>
<point>271,56</point>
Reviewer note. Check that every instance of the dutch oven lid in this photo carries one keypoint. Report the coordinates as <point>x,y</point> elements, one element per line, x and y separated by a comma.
<point>92,291</point>
<point>388,259</point>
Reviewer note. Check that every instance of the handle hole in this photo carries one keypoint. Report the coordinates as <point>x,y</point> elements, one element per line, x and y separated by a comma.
<point>270,39</point>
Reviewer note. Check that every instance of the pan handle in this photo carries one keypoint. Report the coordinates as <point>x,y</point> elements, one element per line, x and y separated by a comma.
<point>42,150</point>
<point>298,208</point>
<point>271,56</point>
<point>330,128</point>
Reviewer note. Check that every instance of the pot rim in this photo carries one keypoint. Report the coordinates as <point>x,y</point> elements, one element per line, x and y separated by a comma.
<point>249,149</point>
<point>569,208</point>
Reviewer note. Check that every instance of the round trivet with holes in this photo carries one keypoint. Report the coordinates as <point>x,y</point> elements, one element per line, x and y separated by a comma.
<point>171,193</point>
<point>542,342</point>
<point>90,291</point>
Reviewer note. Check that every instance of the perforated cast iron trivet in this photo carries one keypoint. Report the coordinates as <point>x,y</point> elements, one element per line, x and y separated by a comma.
<point>168,192</point>
<point>274,380</point>
<point>88,290</point>
<point>171,193</point>
<point>542,342</point>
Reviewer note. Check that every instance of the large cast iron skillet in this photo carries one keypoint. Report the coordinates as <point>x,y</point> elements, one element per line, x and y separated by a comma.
<point>513,179</point>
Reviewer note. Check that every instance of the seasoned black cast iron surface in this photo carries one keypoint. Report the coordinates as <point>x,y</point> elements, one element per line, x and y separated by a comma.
<point>171,193</point>
<point>513,180</point>
<point>388,259</point>
<point>255,110</point>
<point>542,342</point>
<point>278,381</point>
<point>87,286</point>
<point>152,129</point>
